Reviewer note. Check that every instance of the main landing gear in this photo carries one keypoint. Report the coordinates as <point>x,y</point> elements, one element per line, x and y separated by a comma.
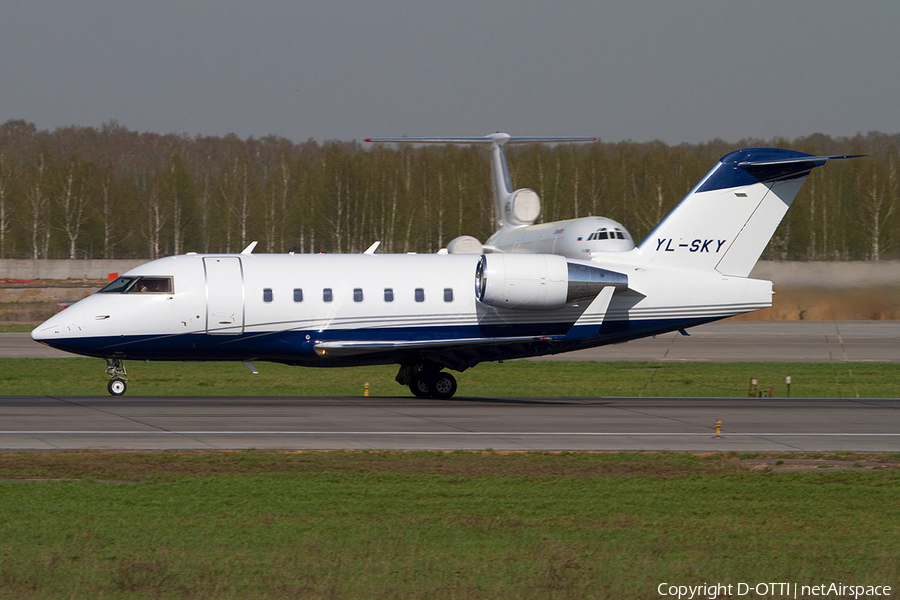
<point>115,368</point>
<point>427,381</point>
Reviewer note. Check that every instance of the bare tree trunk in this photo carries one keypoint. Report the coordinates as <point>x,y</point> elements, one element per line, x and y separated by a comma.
<point>270,199</point>
<point>285,205</point>
<point>811,247</point>
<point>177,234</point>
<point>155,222</point>
<point>459,198</point>
<point>336,218</point>
<point>440,211</point>
<point>37,200</point>
<point>205,200</point>
<point>879,203</point>
<point>107,214</point>
<point>71,201</point>
<point>575,188</point>
<point>6,205</point>
<point>409,225</point>
<point>244,208</point>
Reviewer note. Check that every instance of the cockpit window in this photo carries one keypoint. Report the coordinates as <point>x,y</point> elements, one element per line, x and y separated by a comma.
<point>604,234</point>
<point>118,286</point>
<point>600,234</point>
<point>139,285</point>
<point>153,285</point>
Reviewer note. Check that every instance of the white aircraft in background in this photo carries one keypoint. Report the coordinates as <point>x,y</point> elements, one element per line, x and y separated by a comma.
<point>531,290</point>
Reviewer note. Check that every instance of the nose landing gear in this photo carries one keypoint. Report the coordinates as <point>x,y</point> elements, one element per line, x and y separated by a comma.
<point>115,368</point>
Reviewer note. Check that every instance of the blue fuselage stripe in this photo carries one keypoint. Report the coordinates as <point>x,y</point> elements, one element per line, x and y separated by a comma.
<point>297,347</point>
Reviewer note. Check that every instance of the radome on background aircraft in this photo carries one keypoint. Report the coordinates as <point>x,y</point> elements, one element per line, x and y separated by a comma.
<point>529,290</point>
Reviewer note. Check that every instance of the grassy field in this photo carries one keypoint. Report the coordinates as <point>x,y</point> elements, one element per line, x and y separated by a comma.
<point>431,525</point>
<point>84,376</point>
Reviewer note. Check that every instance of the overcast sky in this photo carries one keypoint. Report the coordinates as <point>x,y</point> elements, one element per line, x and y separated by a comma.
<point>678,71</point>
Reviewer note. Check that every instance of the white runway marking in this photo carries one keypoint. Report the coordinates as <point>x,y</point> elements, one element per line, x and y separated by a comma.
<point>454,433</point>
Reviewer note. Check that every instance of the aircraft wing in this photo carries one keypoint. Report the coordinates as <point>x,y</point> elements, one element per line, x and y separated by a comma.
<point>352,348</point>
<point>462,353</point>
<point>458,354</point>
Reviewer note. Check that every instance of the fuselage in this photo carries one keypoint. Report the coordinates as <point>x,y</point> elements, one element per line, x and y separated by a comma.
<point>380,309</point>
<point>574,238</point>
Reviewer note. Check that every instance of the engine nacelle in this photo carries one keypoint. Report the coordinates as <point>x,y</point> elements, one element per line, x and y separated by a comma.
<point>522,207</point>
<point>465,244</point>
<point>539,281</point>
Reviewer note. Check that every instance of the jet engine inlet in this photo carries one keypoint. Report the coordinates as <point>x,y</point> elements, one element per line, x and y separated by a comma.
<point>539,281</point>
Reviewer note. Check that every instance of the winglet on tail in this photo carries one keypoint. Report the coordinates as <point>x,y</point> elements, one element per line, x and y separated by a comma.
<point>726,221</point>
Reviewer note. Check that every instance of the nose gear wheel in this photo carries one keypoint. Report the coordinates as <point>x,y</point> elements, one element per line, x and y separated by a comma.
<point>115,368</point>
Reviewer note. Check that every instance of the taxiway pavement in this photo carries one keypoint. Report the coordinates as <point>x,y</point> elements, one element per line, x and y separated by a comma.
<point>678,424</point>
<point>675,424</point>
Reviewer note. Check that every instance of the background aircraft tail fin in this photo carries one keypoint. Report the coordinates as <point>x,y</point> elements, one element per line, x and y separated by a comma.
<point>726,221</point>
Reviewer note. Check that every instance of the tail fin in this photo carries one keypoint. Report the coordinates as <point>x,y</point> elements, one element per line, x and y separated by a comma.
<point>726,221</point>
<point>511,208</point>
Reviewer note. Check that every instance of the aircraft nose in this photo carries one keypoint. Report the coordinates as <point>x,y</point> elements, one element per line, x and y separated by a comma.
<point>66,324</point>
<point>46,330</point>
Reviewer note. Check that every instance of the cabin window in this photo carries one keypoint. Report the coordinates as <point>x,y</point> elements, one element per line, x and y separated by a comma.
<point>298,295</point>
<point>267,295</point>
<point>327,295</point>
<point>448,294</point>
<point>420,295</point>
<point>357,295</point>
<point>388,294</point>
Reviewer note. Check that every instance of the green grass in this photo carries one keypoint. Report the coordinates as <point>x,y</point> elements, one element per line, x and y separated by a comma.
<point>17,327</point>
<point>431,525</point>
<point>82,376</point>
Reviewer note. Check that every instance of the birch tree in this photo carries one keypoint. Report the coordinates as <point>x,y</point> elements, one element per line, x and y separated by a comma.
<point>71,204</point>
<point>37,220</point>
<point>7,202</point>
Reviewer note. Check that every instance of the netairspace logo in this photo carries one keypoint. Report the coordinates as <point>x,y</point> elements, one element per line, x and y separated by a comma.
<point>771,589</point>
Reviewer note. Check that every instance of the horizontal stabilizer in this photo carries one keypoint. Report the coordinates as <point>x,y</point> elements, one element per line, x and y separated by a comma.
<point>511,208</point>
<point>819,160</point>
<point>499,138</point>
<point>786,168</point>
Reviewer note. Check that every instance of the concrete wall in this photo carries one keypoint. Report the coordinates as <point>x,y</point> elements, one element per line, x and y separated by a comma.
<point>64,269</point>
<point>829,274</point>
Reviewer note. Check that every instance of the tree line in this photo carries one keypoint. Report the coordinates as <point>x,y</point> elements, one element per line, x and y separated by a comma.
<point>109,192</point>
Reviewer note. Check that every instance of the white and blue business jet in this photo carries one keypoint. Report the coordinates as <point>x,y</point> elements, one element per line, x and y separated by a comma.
<point>530,290</point>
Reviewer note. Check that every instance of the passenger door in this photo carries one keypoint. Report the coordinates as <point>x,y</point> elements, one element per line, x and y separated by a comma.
<point>224,295</point>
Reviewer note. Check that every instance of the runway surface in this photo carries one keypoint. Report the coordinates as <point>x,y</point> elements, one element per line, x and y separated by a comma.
<point>744,341</point>
<point>677,424</point>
